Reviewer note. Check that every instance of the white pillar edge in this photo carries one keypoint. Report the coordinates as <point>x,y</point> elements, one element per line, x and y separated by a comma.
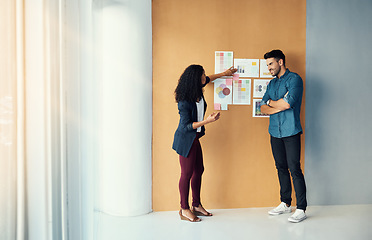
<point>62,126</point>
<point>47,108</point>
<point>88,99</point>
<point>35,116</point>
<point>52,118</point>
<point>21,197</point>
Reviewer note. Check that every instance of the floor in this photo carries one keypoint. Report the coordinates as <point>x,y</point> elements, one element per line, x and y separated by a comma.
<point>323,222</point>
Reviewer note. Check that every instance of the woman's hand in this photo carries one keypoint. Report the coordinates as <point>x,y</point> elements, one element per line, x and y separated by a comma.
<point>230,71</point>
<point>213,117</point>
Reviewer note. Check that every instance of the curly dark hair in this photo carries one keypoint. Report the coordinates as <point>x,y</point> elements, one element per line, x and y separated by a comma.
<point>189,86</point>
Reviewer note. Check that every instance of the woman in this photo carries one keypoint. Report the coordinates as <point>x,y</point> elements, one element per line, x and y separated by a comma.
<point>192,107</point>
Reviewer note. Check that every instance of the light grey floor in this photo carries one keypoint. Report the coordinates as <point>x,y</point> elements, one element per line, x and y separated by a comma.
<point>323,222</point>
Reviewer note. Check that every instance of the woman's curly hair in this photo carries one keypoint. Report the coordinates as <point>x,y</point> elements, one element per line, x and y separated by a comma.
<point>189,86</point>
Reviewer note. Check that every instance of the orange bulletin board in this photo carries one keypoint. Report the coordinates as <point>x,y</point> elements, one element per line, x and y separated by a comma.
<point>239,167</point>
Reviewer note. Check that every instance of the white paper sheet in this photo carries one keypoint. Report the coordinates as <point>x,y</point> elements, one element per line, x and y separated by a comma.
<point>247,67</point>
<point>259,87</point>
<point>223,92</point>
<point>223,60</point>
<point>264,71</point>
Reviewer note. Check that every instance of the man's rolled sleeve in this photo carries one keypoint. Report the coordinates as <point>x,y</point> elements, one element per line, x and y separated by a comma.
<point>295,90</point>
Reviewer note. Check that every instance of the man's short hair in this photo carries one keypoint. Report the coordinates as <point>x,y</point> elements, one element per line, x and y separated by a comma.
<point>277,54</point>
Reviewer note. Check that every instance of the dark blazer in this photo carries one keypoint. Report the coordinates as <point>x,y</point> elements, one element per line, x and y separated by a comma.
<point>185,134</point>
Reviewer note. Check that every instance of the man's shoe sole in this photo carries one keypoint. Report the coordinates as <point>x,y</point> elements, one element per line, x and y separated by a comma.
<point>296,220</point>
<point>278,213</point>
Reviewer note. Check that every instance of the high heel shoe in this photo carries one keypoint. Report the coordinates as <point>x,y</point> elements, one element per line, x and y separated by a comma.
<point>198,213</point>
<point>195,219</point>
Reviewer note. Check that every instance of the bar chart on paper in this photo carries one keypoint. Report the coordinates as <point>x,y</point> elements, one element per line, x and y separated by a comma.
<point>247,67</point>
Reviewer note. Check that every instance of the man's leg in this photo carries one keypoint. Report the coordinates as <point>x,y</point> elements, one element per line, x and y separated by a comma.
<point>293,150</point>
<point>280,156</point>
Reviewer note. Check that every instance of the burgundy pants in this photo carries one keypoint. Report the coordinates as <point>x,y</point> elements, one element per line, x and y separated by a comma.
<point>192,169</point>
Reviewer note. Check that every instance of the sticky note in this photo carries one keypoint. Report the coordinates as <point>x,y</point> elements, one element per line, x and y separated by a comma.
<point>236,76</point>
<point>223,106</point>
<point>228,82</point>
<point>217,106</point>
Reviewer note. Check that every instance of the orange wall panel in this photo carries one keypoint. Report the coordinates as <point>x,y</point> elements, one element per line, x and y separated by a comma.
<point>239,167</point>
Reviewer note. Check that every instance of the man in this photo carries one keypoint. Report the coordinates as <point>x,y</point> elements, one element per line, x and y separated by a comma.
<point>282,101</point>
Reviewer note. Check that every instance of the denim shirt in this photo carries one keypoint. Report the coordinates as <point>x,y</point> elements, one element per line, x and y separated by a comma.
<point>285,123</point>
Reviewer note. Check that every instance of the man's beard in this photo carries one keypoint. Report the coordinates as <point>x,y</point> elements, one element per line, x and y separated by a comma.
<point>275,74</point>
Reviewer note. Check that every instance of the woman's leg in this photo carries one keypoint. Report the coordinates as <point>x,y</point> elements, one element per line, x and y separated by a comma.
<point>196,178</point>
<point>187,169</point>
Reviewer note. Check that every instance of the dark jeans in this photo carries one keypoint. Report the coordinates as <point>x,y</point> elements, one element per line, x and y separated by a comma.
<point>192,169</point>
<point>287,154</point>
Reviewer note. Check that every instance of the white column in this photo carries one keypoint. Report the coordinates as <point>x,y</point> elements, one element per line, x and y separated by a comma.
<point>125,170</point>
<point>37,181</point>
<point>8,123</point>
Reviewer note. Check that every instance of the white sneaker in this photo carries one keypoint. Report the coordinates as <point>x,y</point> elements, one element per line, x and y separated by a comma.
<point>298,216</point>
<point>282,208</point>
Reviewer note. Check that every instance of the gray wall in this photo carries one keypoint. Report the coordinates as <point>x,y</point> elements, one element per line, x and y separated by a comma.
<point>338,146</point>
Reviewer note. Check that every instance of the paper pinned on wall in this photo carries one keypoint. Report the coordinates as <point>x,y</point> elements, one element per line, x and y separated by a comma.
<point>229,82</point>
<point>247,67</point>
<point>242,92</point>
<point>217,106</point>
<point>257,109</point>
<point>223,92</point>
<point>259,87</point>
<point>224,107</point>
<point>264,71</point>
<point>236,76</point>
<point>223,60</point>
